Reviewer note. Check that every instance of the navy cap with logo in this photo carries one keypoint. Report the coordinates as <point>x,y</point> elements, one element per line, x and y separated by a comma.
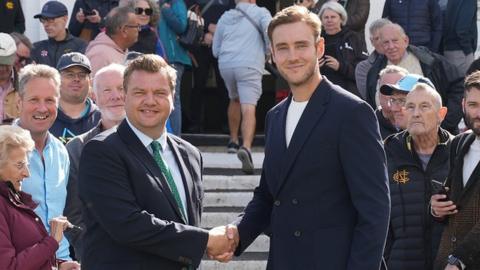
<point>52,9</point>
<point>405,84</point>
<point>73,59</point>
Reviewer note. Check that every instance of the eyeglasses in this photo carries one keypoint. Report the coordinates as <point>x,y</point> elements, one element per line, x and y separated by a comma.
<point>47,20</point>
<point>24,60</point>
<point>138,27</point>
<point>396,101</point>
<point>140,11</point>
<point>73,75</point>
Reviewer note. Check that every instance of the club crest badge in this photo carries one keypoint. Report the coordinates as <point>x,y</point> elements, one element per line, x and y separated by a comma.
<point>401,176</point>
<point>9,5</point>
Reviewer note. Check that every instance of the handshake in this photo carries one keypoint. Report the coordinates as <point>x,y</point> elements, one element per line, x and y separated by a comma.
<point>222,242</point>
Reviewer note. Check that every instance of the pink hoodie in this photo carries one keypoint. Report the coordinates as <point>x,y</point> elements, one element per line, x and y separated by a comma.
<point>103,51</point>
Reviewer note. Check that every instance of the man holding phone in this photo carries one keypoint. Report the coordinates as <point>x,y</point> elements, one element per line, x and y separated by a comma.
<point>417,158</point>
<point>459,248</point>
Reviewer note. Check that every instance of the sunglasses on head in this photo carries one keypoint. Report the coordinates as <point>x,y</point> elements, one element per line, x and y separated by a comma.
<point>140,11</point>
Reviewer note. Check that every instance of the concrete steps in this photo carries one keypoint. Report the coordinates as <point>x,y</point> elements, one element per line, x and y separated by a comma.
<point>227,192</point>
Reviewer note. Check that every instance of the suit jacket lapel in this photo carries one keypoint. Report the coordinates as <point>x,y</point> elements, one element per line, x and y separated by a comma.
<point>146,159</point>
<point>457,182</point>
<point>311,115</point>
<point>181,157</point>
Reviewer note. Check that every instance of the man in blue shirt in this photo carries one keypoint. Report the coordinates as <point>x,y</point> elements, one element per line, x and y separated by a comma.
<point>39,90</point>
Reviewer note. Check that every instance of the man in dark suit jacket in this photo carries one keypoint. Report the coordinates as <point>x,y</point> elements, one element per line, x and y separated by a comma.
<point>459,247</point>
<point>323,193</point>
<point>141,187</point>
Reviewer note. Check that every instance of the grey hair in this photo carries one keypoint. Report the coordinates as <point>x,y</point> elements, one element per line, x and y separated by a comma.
<point>116,18</point>
<point>378,24</point>
<point>12,137</point>
<point>114,67</point>
<point>437,99</point>
<point>32,71</point>
<point>336,7</point>
<point>387,70</point>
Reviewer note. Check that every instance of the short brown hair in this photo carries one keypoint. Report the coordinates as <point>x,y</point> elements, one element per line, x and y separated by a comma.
<point>151,63</point>
<point>295,14</point>
<point>472,81</point>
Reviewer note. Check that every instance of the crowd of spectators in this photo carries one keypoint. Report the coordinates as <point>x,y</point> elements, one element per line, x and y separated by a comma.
<point>422,52</point>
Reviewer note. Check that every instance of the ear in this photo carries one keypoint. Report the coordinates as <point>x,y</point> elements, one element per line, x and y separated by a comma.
<point>19,103</point>
<point>320,47</point>
<point>273,53</point>
<point>442,112</point>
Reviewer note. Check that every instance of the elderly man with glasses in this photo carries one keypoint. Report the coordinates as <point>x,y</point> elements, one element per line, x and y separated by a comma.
<point>418,162</point>
<point>54,17</point>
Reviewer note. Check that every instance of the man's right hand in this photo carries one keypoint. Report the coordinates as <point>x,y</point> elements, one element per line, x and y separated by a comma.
<point>441,208</point>
<point>222,242</point>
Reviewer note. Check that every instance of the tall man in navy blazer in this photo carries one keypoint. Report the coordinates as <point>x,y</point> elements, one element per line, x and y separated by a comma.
<point>323,194</point>
<point>134,217</point>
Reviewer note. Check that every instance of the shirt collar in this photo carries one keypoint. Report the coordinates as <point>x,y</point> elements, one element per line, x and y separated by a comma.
<point>146,140</point>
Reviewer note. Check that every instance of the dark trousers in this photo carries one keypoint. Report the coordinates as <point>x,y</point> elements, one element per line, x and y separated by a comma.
<point>205,60</point>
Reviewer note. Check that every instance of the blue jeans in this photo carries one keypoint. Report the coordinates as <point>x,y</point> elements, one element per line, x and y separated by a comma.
<point>176,115</point>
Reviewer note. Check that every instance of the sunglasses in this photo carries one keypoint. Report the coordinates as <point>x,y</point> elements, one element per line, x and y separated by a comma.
<point>24,60</point>
<point>140,11</point>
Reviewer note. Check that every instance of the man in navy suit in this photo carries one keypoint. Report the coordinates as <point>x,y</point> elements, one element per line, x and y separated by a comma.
<point>323,195</point>
<point>141,187</point>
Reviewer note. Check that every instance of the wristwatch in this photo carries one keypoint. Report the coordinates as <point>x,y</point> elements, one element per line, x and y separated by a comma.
<point>452,260</point>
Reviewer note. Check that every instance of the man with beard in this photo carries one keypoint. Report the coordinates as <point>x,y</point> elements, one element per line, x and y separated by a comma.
<point>324,209</point>
<point>76,112</point>
<point>459,247</point>
<point>110,98</point>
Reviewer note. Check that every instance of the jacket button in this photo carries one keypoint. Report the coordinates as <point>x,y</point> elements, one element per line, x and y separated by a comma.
<point>36,219</point>
<point>297,233</point>
<point>294,201</point>
<point>454,239</point>
<point>277,203</point>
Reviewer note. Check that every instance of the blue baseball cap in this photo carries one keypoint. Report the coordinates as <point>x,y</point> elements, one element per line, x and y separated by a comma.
<point>73,59</point>
<point>52,9</point>
<point>405,84</point>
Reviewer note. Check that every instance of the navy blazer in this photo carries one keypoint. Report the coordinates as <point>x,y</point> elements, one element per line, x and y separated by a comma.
<point>325,198</point>
<point>131,217</point>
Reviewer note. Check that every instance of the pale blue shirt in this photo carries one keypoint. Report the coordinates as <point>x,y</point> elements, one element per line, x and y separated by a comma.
<point>168,157</point>
<point>48,185</point>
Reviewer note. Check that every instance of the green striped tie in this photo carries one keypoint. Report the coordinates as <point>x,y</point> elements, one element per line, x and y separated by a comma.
<point>157,148</point>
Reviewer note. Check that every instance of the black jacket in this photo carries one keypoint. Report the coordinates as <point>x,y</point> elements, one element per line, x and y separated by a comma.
<point>386,127</point>
<point>460,31</point>
<point>414,235</point>
<point>102,6</point>
<point>444,76</point>
<point>346,47</point>
<point>147,41</point>
<point>48,51</point>
<point>11,16</point>
<point>65,128</point>
<point>421,20</point>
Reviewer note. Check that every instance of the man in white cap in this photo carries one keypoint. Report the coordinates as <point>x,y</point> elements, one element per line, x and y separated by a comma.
<point>8,109</point>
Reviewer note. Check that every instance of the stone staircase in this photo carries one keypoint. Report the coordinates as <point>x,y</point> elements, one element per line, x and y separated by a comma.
<point>227,192</point>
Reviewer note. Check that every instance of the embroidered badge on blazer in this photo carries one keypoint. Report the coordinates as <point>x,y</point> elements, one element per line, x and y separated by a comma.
<point>9,5</point>
<point>401,176</point>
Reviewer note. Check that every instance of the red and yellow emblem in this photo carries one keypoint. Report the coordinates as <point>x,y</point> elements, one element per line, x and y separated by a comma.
<point>401,176</point>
